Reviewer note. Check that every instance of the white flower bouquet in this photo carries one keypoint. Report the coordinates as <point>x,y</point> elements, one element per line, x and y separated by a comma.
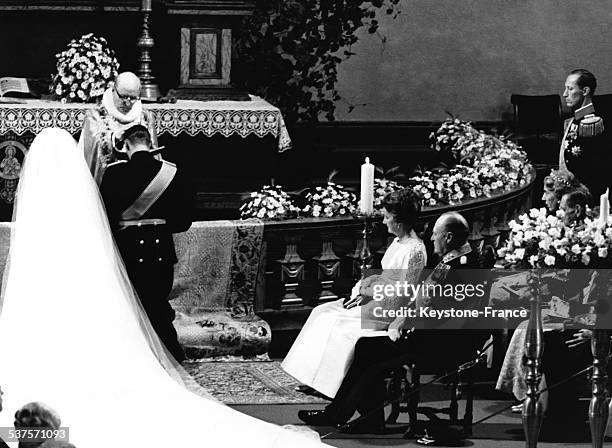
<point>541,240</point>
<point>330,201</point>
<point>84,69</point>
<point>271,202</point>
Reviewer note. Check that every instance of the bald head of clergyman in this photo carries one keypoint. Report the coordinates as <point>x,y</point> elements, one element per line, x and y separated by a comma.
<point>126,92</point>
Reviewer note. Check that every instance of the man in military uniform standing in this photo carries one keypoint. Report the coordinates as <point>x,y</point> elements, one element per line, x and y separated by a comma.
<point>583,151</point>
<point>147,200</point>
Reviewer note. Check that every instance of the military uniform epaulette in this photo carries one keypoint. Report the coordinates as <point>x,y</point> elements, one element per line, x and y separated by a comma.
<point>589,124</point>
<point>458,253</point>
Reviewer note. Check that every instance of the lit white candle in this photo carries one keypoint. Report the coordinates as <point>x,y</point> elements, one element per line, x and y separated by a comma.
<point>146,5</point>
<point>604,208</point>
<point>366,204</point>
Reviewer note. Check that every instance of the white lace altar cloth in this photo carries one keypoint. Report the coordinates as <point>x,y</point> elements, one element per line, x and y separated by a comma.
<point>243,118</point>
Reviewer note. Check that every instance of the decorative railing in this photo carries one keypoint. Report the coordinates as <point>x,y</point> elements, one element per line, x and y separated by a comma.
<point>534,348</point>
<point>313,260</point>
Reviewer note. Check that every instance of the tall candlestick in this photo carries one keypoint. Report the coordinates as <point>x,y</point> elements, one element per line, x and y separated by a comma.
<point>149,91</point>
<point>604,208</point>
<point>366,204</point>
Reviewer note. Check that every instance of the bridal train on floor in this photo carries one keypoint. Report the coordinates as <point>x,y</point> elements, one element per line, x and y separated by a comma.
<point>73,334</point>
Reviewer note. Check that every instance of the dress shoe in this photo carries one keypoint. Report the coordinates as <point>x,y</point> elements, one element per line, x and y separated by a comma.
<point>316,418</point>
<point>363,427</point>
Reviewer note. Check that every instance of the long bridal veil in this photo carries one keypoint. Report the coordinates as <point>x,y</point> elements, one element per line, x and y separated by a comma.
<point>73,334</point>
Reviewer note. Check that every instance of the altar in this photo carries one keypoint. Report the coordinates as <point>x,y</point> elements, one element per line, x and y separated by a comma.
<point>205,138</point>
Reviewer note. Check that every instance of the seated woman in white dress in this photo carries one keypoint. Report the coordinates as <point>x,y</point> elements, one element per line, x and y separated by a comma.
<point>323,351</point>
<point>75,337</point>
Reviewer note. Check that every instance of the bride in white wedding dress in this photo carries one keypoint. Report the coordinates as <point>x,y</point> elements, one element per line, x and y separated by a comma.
<point>73,334</point>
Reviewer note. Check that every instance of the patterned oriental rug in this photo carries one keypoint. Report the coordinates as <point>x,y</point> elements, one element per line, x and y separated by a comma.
<point>248,382</point>
<point>215,282</point>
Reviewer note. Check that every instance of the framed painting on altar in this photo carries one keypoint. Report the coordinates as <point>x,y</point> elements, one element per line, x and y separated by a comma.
<point>205,56</point>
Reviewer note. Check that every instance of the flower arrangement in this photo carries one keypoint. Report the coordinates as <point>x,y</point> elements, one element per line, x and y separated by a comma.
<point>382,187</point>
<point>488,164</point>
<point>473,145</point>
<point>459,184</point>
<point>541,240</point>
<point>271,202</point>
<point>329,201</point>
<point>447,135</point>
<point>492,165</point>
<point>491,174</point>
<point>84,69</point>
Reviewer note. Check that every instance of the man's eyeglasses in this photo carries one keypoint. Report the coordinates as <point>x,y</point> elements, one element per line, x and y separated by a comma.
<point>126,97</point>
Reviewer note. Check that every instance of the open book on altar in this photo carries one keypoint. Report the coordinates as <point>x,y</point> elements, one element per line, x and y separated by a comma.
<point>17,87</point>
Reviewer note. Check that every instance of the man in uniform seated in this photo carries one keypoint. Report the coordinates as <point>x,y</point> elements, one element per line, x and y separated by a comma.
<point>363,387</point>
<point>147,200</point>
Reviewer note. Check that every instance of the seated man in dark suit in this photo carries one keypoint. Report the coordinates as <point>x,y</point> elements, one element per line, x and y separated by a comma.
<point>363,387</point>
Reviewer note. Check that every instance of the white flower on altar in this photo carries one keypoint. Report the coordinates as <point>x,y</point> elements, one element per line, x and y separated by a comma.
<point>576,249</point>
<point>545,244</point>
<point>599,239</point>
<point>602,252</point>
<point>586,259</point>
<point>550,260</point>
<point>519,253</point>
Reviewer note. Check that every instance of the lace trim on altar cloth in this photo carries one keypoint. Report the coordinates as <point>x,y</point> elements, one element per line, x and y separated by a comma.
<point>227,118</point>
